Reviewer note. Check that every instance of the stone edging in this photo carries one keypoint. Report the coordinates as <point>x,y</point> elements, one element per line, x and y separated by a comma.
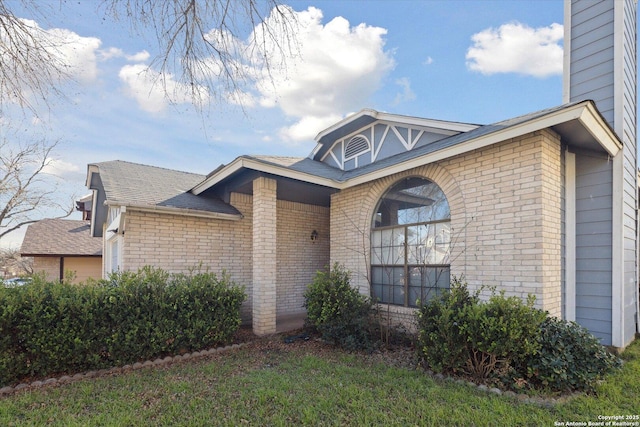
<point>545,402</point>
<point>66,379</point>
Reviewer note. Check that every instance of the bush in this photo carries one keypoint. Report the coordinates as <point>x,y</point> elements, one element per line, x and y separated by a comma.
<point>569,358</point>
<point>48,328</point>
<point>338,311</point>
<point>459,333</point>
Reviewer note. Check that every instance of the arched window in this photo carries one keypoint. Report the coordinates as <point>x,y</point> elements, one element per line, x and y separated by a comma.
<point>410,243</point>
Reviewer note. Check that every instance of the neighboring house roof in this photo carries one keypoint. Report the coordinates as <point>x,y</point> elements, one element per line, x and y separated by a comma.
<point>60,237</point>
<point>578,123</point>
<point>142,186</point>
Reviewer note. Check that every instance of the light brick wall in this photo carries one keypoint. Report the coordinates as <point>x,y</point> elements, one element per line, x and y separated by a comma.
<point>264,255</point>
<point>298,257</point>
<point>505,205</point>
<point>179,243</point>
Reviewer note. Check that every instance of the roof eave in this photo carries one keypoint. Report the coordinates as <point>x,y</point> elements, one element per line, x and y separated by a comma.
<point>173,210</point>
<point>585,112</point>
<point>260,166</point>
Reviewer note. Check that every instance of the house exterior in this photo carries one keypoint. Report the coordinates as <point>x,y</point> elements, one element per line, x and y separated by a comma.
<point>61,246</point>
<point>541,204</point>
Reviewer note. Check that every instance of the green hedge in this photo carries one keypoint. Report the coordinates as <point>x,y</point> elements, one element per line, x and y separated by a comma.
<point>508,341</point>
<point>48,328</point>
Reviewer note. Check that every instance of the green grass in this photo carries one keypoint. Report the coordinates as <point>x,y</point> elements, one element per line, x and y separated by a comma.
<point>300,384</point>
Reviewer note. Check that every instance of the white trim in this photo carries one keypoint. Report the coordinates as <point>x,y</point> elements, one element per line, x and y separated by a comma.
<point>360,153</point>
<point>409,120</point>
<point>617,253</point>
<point>566,57</point>
<point>585,112</point>
<point>257,165</point>
<point>570,237</point>
<point>618,67</point>
<point>383,138</point>
<point>417,138</point>
<point>637,288</point>
<point>401,138</point>
<point>175,211</point>
<point>335,159</point>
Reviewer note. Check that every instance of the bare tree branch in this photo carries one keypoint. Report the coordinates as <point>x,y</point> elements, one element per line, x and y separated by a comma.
<point>213,47</point>
<point>203,42</point>
<point>12,264</point>
<point>27,194</point>
<point>30,70</point>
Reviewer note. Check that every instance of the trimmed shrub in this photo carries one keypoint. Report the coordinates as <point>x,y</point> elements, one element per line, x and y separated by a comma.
<point>48,328</point>
<point>569,358</point>
<point>442,340</point>
<point>341,314</point>
<point>459,333</point>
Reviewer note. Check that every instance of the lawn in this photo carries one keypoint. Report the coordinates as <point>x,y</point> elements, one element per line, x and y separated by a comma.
<point>268,382</point>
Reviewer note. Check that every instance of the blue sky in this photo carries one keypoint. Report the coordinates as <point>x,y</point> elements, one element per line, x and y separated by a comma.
<point>470,61</point>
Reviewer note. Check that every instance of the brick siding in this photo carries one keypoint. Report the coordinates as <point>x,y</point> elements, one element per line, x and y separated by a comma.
<point>505,203</point>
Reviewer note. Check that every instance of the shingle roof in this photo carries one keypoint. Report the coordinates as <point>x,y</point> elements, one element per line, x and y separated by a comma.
<point>133,183</point>
<point>60,237</point>
<point>303,164</point>
<point>320,169</point>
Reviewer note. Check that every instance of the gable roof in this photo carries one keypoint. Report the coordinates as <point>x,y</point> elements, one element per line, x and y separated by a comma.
<point>579,124</point>
<point>60,237</point>
<point>365,117</point>
<point>149,187</point>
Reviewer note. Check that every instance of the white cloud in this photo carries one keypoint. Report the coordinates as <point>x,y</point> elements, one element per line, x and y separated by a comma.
<point>112,52</point>
<point>407,94</point>
<point>154,91</point>
<point>517,48</point>
<point>60,168</point>
<point>336,69</point>
<point>428,61</point>
<point>76,52</point>
<point>308,127</point>
<point>72,52</point>
<point>139,56</point>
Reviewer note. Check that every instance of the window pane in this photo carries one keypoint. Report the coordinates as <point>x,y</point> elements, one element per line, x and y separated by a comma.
<point>411,201</point>
<point>398,295</point>
<point>416,237</point>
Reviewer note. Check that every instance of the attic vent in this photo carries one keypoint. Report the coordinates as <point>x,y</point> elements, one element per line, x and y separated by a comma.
<point>357,145</point>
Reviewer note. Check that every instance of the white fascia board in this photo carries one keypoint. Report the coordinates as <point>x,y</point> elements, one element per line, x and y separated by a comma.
<point>174,211</point>
<point>245,163</point>
<point>584,112</point>
<point>600,130</point>
<point>91,169</point>
<point>428,123</point>
<point>348,119</point>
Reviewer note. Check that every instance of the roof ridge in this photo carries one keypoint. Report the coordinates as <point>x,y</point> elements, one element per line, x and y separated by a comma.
<point>149,166</point>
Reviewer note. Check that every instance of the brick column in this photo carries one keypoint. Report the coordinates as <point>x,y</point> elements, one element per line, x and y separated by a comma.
<point>264,256</point>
